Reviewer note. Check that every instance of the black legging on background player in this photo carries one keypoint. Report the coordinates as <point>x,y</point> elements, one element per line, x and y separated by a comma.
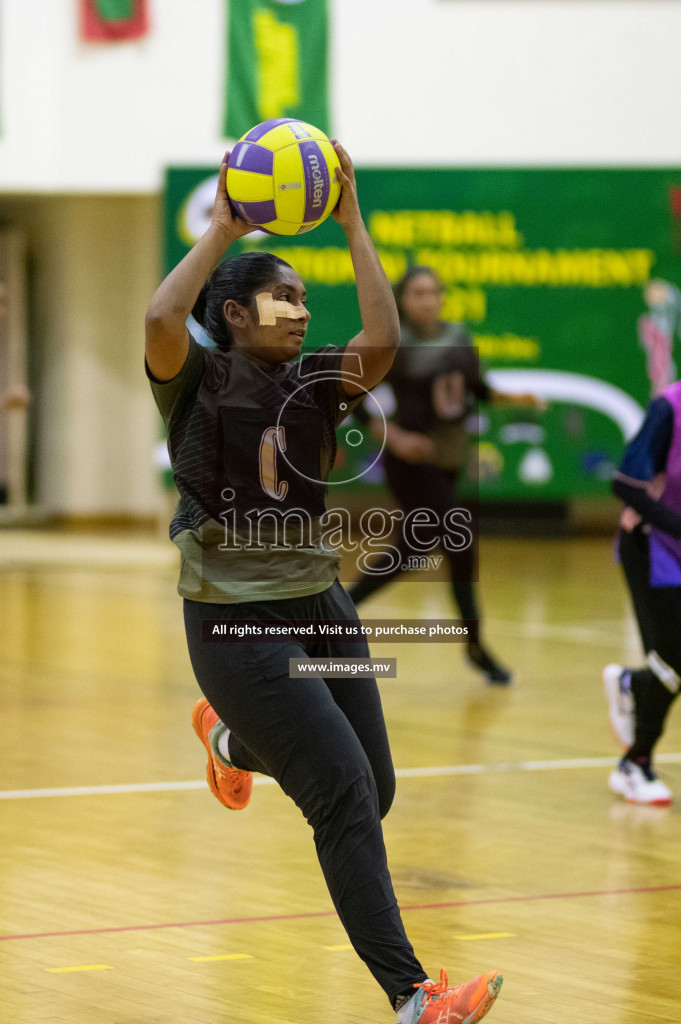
<point>658,614</point>
<point>416,486</point>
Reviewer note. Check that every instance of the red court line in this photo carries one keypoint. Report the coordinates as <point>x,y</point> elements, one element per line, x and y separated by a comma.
<point>332,913</point>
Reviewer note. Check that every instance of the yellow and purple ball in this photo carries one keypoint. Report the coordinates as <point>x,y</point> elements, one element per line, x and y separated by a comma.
<point>281,176</point>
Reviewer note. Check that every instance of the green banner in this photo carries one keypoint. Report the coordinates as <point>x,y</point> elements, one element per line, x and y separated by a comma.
<point>277,63</point>
<point>569,281</point>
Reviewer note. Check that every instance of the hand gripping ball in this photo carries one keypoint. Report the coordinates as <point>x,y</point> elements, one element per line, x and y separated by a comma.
<point>281,176</point>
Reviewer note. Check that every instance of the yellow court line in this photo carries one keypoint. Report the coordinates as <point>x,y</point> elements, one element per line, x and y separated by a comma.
<point>82,967</point>
<point>485,935</point>
<point>334,948</point>
<point>221,956</point>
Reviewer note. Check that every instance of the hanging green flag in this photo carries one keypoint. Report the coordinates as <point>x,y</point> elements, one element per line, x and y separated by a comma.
<point>278,67</point>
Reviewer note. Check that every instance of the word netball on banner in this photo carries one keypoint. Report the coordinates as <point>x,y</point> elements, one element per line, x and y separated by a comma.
<point>276,63</point>
<point>110,21</point>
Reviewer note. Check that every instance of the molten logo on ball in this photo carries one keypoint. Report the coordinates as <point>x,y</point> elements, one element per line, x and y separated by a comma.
<point>282,176</point>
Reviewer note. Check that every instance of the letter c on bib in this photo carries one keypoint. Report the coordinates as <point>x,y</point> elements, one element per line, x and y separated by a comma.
<point>272,438</point>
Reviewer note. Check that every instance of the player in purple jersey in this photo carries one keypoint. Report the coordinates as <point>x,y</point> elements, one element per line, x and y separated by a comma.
<point>649,544</point>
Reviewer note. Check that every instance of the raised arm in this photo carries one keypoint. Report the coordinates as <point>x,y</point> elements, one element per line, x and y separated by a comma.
<point>377,342</point>
<point>167,337</point>
<point>640,480</point>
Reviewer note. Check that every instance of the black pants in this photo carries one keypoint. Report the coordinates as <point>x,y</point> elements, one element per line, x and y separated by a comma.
<point>420,485</point>
<point>325,743</point>
<point>658,609</point>
<point>658,613</point>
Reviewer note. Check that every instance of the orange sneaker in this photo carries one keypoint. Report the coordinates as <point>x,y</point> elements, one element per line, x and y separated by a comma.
<point>231,786</point>
<point>464,1004</point>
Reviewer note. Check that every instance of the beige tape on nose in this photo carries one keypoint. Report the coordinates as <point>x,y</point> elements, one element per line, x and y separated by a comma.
<point>269,309</point>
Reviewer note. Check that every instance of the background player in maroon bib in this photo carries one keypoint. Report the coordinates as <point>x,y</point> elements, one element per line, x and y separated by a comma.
<point>436,382</point>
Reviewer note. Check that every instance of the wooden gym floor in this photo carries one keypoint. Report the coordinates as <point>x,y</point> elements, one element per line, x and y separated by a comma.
<point>128,895</point>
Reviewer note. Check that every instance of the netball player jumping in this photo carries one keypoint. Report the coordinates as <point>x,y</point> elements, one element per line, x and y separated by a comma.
<point>232,414</point>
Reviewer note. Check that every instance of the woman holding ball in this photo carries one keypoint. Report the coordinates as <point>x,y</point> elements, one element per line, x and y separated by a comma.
<point>231,414</point>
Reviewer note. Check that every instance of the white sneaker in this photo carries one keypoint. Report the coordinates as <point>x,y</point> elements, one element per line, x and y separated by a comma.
<point>621,703</point>
<point>638,785</point>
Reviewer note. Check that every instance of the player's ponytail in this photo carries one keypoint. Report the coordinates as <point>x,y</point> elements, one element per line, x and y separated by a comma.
<point>238,278</point>
<point>199,310</point>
